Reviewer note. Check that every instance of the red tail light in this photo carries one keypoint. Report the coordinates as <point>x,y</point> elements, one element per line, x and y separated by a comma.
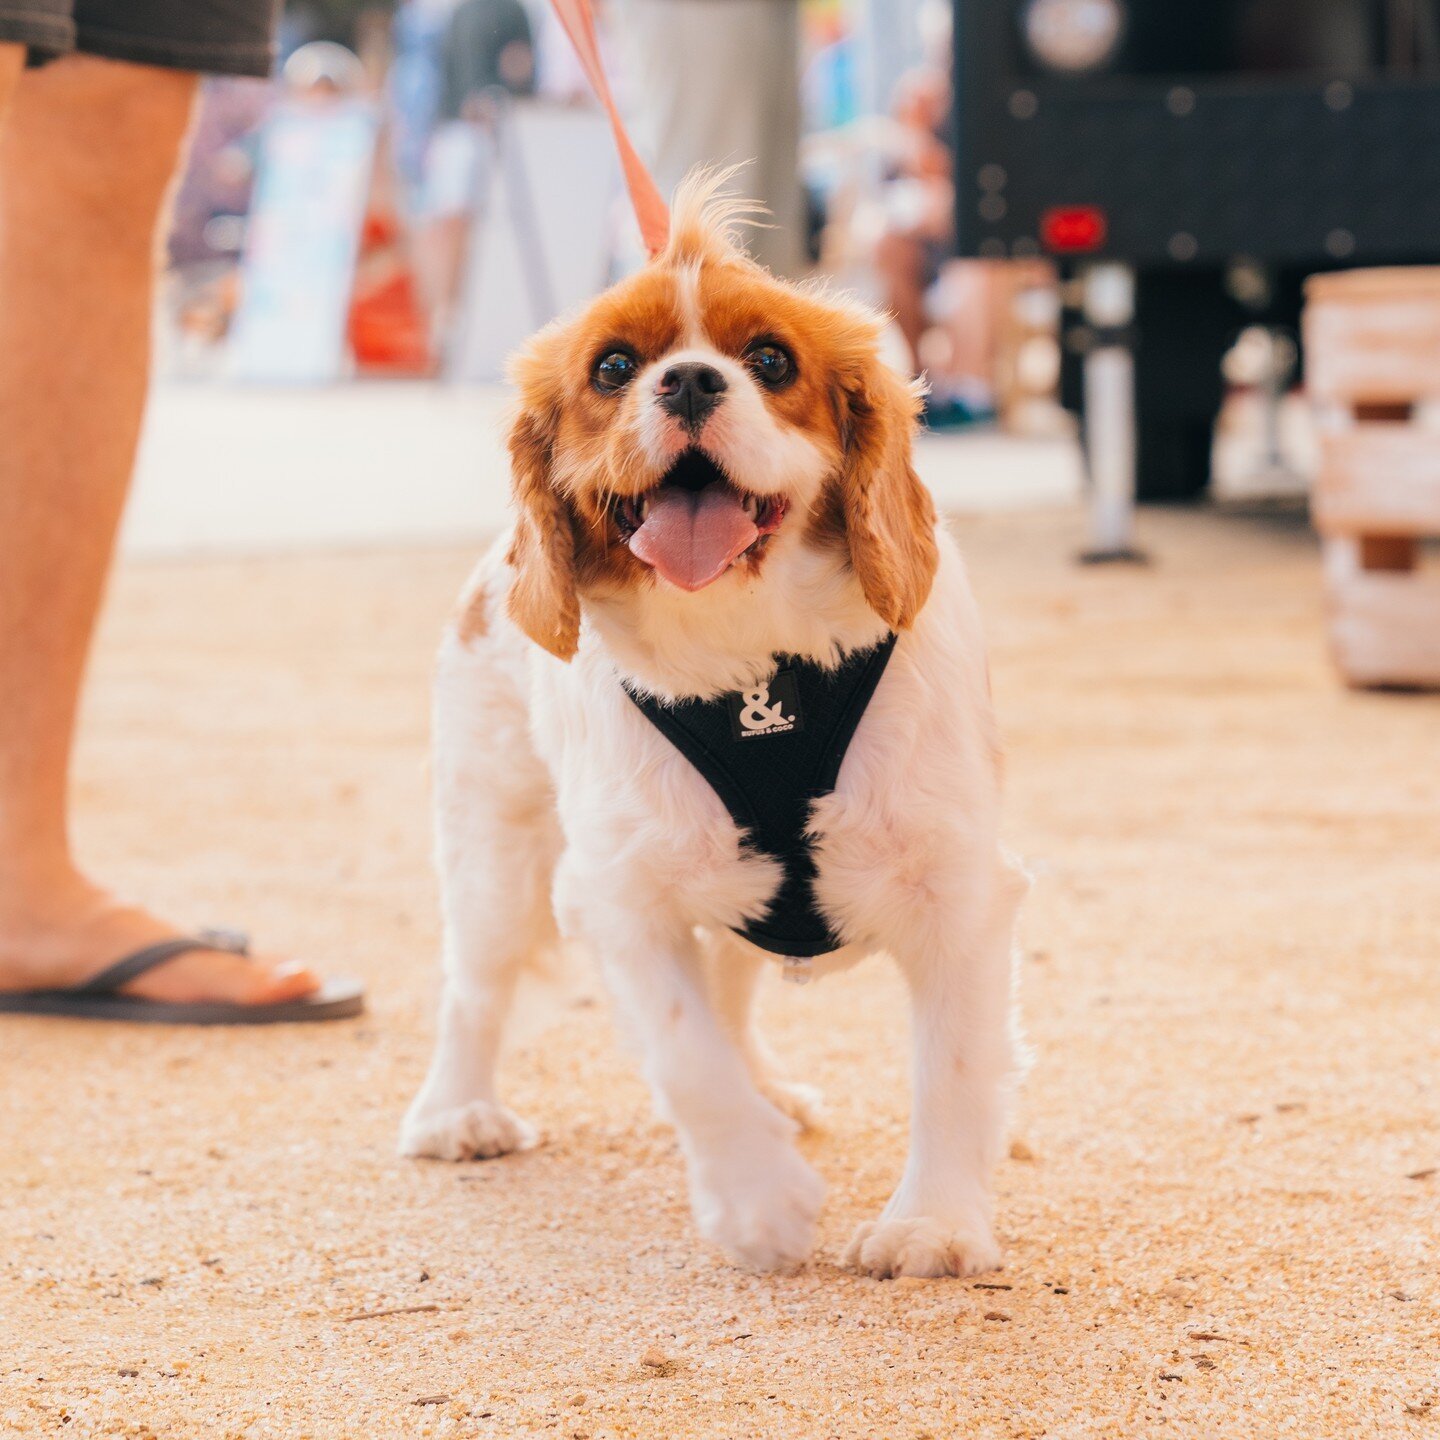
<point>1073,229</point>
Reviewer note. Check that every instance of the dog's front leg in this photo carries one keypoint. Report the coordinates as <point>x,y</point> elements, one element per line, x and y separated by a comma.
<point>939,1220</point>
<point>751,1191</point>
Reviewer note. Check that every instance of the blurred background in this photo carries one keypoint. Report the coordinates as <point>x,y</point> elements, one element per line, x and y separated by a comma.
<point>359,243</point>
<point>1091,220</point>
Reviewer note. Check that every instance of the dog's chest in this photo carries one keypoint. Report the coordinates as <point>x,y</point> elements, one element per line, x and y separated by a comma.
<point>769,753</point>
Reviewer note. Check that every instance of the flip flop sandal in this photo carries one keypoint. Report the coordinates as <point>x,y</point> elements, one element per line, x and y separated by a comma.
<point>99,999</point>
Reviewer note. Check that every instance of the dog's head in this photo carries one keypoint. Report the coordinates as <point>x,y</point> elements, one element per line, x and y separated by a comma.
<point>702,423</point>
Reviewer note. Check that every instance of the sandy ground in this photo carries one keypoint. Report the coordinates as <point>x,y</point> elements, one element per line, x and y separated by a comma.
<point>1227,1219</point>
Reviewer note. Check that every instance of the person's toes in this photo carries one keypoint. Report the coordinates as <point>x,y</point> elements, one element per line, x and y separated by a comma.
<point>289,980</point>
<point>201,976</point>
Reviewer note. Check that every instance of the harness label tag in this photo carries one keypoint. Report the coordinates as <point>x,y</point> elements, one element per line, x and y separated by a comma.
<point>771,708</point>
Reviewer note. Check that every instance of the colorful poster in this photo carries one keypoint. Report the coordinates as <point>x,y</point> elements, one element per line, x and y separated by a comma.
<point>312,185</point>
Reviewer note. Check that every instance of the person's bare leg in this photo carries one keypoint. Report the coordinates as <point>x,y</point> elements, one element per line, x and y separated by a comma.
<point>12,62</point>
<point>974,288</point>
<point>900,263</point>
<point>86,156</point>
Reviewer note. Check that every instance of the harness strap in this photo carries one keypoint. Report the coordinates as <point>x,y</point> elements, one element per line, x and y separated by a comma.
<point>769,782</point>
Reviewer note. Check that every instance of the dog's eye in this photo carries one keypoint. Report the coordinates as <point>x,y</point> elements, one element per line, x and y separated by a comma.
<point>615,371</point>
<point>772,363</point>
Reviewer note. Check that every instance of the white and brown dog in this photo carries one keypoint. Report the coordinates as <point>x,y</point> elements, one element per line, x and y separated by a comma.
<point>712,469</point>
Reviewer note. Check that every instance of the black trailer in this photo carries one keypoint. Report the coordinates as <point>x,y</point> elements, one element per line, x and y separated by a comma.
<point>1193,159</point>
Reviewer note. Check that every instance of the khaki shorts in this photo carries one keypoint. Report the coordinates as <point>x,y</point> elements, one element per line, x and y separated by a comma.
<point>223,37</point>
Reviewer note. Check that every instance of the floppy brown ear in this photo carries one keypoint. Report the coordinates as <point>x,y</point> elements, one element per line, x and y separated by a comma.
<point>889,515</point>
<point>542,601</point>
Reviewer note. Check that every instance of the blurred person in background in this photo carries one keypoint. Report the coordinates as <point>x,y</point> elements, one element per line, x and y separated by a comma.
<point>219,171</point>
<point>919,197</point>
<point>95,102</point>
<point>207,219</point>
<point>488,49</point>
<point>417,33</point>
<point>718,82</point>
<point>912,258</point>
<point>488,45</point>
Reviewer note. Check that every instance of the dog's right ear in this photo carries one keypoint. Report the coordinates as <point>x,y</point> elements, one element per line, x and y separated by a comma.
<point>543,600</point>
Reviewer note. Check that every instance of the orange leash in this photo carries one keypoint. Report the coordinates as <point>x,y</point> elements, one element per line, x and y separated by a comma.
<point>650,209</point>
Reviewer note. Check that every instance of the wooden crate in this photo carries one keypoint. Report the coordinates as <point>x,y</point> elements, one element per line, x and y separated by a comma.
<point>1384,622</point>
<point>1372,343</point>
<point>1373,335</point>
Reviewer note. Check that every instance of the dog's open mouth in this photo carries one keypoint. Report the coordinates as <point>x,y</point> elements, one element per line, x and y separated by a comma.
<point>695,524</point>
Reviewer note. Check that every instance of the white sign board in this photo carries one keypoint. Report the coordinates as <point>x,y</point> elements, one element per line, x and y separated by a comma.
<point>541,242</point>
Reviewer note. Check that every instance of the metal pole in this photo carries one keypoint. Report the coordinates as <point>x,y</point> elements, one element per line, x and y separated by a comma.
<point>1109,382</point>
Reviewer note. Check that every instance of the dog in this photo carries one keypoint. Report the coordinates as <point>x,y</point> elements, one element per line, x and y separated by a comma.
<point>712,469</point>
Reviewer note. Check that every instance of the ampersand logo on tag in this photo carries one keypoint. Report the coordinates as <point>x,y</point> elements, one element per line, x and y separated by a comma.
<point>771,708</point>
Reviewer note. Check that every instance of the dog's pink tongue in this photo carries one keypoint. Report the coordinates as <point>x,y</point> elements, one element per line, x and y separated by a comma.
<point>691,537</point>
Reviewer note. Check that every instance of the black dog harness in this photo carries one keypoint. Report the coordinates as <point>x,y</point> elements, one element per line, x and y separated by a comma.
<point>769,753</point>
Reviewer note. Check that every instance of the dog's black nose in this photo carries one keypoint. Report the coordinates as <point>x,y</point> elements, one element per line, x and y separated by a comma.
<point>690,392</point>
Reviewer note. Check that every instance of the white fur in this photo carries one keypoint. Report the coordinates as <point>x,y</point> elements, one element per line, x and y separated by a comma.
<point>692,321</point>
<point>563,812</point>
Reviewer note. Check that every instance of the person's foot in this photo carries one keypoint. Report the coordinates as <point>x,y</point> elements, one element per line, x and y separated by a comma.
<point>74,930</point>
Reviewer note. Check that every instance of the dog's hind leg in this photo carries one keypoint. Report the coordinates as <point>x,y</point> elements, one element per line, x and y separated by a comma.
<point>497,841</point>
<point>732,972</point>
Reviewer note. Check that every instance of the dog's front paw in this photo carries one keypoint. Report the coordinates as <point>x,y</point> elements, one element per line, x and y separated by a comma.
<point>480,1130</point>
<point>759,1206</point>
<point>923,1248</point>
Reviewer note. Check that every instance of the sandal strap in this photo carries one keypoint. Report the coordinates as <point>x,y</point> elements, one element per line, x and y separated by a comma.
<point>138,962</point>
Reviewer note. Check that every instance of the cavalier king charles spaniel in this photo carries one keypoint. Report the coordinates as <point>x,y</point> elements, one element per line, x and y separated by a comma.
<point>712,476</point>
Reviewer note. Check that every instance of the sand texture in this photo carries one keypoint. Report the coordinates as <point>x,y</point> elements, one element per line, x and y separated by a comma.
<point>1223,1213</point>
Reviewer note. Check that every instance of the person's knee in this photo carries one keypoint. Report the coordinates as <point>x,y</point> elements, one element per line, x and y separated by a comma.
<point>109,134</point>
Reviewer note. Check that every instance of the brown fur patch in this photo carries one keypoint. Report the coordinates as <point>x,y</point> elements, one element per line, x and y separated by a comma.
<point>471,621</point>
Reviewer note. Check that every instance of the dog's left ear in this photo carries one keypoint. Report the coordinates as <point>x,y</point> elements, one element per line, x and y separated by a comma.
<point>889,515</point>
